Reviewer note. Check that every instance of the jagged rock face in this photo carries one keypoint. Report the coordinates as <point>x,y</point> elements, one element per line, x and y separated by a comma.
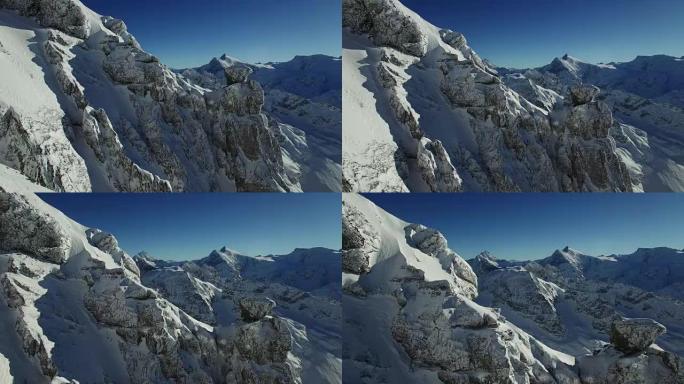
<point>25,229</point>
<point>64,15</point>
<point>609,365</point>
<point>635,335</point>
<point>455,125</point>
<point>66,288</point>
<point>359,241</point>
<point>255,308</point>
<point>385,23</point>
<point>582,94</point>
<point>50,162</point>
<point>264,341</point>
<point>433,243</point>
<point>237,74</point>
<point>416,297</point>
<point>644,109</point>
<point>159,133</point>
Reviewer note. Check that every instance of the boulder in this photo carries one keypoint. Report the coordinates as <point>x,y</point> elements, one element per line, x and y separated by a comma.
<point>237,74</point>
<point>583,94</point>
<point>635,335</point>
<point>255,308</point>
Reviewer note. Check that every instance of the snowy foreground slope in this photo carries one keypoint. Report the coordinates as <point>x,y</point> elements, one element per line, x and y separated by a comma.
<point>83,107</point>
<point>74,307</point>
<point>423,112</point>
<point>412,314</point>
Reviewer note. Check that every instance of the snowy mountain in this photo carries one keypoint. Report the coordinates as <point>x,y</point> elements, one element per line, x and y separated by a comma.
<point>645,96</point>
<point>75,308</point>
<point>570,300</point>
<point>415,312</point>
<point>423,112</point>
<point>304,93</point>
<point>83,107</point>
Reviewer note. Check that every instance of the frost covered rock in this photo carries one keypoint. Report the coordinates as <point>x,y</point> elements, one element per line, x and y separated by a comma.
<point>264,341</point>
<point>237,74</point>
<point>25,229</point>
<point>182,136</point>
<point>65,288</point>
<point>493,137</point>
<point>583,94</point>
<point>387,24</point>
<point>609,365</point>
<point>415,302</point>
<point>65,15</point>
<point>635,335</point>
<point>434,244</point>
<point>255,308</point>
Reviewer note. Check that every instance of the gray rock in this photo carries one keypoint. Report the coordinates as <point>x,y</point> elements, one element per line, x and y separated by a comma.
<point>583,94</point>
<point>635,335</point>
<point>385,23</point>
<point>25,229</point>
<point>255,308</point>
<point>237,74</point>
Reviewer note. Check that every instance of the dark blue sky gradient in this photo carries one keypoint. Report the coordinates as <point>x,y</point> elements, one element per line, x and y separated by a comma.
<point>188,33</point>
<point>189,226</point>
<point>531,33</point>
<point>532,226</point>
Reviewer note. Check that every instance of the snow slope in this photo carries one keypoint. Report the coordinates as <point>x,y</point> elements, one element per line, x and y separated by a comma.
<point>74,307</point>
<point>85,108</point>
<point>413,313</point>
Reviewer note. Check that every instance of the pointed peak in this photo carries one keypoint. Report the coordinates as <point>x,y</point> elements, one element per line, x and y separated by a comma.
<point>228,251</point>
<point>486,255</point>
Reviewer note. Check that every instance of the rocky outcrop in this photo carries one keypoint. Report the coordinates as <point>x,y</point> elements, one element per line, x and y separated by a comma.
<point>359,241</point>
<point>583,94</point>
<point>162,133</point>
<point>44,158</point>
<point>64,15</point>
<point>466,129</point>
<point>635,335</point>
<point>255,308</point>
<point>66,289</point>
<point>433,243</point>
<point>631,358</point>
<point>25,229</point>
<point>386,23</point>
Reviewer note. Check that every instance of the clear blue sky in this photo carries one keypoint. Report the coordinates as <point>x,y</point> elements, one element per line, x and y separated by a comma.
<point>189,226</point>
<point>532,226</point>
<point>531,33</point>
<point>188,33</point>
